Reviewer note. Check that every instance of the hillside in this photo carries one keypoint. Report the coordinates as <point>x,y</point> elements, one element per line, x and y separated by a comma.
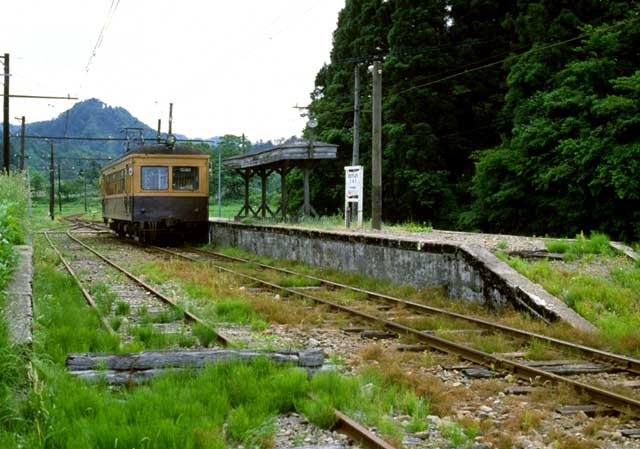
<point>89,118</point>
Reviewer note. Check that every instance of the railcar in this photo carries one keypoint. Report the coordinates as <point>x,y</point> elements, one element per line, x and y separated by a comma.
<point>157,191</point>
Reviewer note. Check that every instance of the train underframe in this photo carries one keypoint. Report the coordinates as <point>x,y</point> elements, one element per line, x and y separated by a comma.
<point>161,231</point>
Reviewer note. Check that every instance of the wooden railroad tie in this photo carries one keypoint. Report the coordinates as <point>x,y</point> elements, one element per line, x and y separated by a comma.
<point>118,369</point>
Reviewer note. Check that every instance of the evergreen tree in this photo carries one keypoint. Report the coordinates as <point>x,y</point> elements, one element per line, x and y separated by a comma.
<point>570,163</point>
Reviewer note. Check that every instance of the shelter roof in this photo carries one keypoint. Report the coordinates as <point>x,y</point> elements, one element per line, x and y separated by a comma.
<point>292,154</point>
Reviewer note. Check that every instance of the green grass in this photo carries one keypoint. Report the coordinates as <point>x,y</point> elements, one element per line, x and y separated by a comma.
<point>72,206</point>
<point>14,225</point>
<point>611,303</point>
<point>596,243</point>
<point>372,397</point>
<point>72,326</point>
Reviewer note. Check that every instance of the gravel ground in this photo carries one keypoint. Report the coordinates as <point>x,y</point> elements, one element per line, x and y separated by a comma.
<point>503,420</point>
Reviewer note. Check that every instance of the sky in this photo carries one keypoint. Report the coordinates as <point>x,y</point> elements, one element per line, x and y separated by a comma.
<point>228,66</point>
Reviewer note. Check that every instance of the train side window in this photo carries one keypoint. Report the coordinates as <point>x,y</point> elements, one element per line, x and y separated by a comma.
<point>154,178</point>
<point>121,181</point>
<point>185,178</point>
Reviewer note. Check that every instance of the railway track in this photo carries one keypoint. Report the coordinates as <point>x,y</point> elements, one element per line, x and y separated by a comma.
<point>528,371</point>
<point>344,424</point>
<point>618,361</point>
<point>131,290</point>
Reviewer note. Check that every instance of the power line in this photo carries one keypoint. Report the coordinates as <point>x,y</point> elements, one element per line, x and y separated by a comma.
<point>107,21</point>
<point>108,139</point>
<point>532,50</point>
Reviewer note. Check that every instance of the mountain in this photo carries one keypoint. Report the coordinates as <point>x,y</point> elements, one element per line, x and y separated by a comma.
<point>89,118</point>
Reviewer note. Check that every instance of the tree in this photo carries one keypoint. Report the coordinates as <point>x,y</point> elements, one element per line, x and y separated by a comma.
<point>571,163</point>
<point>37,181</point>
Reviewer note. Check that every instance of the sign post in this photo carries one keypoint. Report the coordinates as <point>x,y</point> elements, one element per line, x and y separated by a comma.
<point>353,192</point>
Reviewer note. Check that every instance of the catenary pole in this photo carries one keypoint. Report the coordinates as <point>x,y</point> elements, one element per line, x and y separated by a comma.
<point>356,116</point>
<point>22,143</point>
<point>59,193</point>
<point>51,184</point>
<point>219,181</point>
<point>376,148</point>
<point>6,152</point>
<point>355,160</point>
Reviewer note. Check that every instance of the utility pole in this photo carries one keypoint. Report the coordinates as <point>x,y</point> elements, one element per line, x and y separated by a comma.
<point>22,144</point>
<point>84,181</point>
<point>59,195</point>
<point>353,212</point>
<point>220,181</point>
<point>376,148</point>
<point>51,184</point>
<point>356,116</point>
<point>5,123</point>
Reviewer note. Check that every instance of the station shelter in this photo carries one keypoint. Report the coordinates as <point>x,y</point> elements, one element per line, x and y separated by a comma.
<point>280,159</point>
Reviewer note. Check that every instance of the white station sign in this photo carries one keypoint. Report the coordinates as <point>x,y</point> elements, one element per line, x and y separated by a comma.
<point>353,191</point>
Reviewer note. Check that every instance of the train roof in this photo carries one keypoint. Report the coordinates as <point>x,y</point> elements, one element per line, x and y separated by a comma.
<point>160,148</point>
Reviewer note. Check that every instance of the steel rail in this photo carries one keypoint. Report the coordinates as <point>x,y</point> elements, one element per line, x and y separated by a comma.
<point>599,395</point>
<point>84,291</point>
<point>359,433</point>
<point>344,424</point>
<point>223,340</point>
<point>622,362</point>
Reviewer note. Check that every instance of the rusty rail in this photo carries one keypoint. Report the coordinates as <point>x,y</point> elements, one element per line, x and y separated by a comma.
<point>223,340</point>
<point>84,291</point>
<point>599,395</point>
<point>625,363</point>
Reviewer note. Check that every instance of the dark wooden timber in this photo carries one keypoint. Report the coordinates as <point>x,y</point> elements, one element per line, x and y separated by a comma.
<point>620,361</point>
<point>588,409</point>
<point>599,395</point>
<point>140,361</point>
<point>517,389</point>
<point>631,433</point>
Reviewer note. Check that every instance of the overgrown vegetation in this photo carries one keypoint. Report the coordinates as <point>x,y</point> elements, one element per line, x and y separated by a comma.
<point>596,243</point>
<point>516,117</point>
<point>610,300</point>
<point>13,221</point>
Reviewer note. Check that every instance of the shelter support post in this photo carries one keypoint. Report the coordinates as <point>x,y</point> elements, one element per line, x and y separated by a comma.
<point>283,171</point>
<point>246,174</point>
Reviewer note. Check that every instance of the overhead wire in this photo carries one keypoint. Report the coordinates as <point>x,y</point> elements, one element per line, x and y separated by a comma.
<point>528,52</point>
<point>105,26</point>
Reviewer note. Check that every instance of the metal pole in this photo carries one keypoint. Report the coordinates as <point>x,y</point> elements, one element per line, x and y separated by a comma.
<point>376,150</point>
<point>353,207</point>
<point>5,123</point>
<point>59,195</point>
<point>22,144</point>
<point>170,117</point>
<point>219,181</point>
<point>29,192</point>
<point>158,133</point>
<point>356,116</point>
<point>51,185</point>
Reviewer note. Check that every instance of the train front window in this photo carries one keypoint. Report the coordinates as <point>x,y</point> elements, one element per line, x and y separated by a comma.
<point>154,178</point>
<point>185,178</point>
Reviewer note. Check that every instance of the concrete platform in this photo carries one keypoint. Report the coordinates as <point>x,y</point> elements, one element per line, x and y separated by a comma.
<point>18,310</point>
<point>466,271</point>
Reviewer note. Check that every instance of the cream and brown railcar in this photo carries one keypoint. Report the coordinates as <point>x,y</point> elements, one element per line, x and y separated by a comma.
<point>157,190</point>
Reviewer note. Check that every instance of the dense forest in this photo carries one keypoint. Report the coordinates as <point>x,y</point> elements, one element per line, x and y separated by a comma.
<point>519,117</point>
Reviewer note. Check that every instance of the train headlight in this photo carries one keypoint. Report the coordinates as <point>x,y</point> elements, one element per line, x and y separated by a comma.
<point>171,140</point>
